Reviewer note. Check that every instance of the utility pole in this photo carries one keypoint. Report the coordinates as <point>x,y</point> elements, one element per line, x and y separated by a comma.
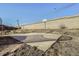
<point>18,23</point>
<point>1,26</point>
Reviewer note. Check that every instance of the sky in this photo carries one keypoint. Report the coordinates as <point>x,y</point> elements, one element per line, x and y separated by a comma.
<point>28,13</point>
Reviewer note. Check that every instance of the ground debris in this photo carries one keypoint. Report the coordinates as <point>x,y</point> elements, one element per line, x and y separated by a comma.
<point>64,46</point>
<point>27,50</point>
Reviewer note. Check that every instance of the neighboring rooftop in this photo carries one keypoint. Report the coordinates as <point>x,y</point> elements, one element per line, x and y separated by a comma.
<point>5,27</point>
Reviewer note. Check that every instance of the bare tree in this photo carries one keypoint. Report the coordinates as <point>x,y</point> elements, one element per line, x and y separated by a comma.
<point>1,25</point>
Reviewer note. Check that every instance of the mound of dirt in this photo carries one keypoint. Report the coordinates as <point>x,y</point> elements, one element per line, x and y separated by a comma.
<point>8,40</point>
<point>64,46</point>
<point>25,50</point>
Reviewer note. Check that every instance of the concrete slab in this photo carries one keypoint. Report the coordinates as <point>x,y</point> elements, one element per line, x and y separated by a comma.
<point>42,45</point>
<point>37,37</point>
<point>52,36</point>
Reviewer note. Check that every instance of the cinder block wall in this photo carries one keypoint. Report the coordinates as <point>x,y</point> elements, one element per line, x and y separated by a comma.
<point>69,22</point>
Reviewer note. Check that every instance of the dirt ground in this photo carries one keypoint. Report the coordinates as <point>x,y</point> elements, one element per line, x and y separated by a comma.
<point>65,45</point>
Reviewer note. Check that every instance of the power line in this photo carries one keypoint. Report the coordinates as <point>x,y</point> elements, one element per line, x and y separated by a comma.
<point>61,9</point>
